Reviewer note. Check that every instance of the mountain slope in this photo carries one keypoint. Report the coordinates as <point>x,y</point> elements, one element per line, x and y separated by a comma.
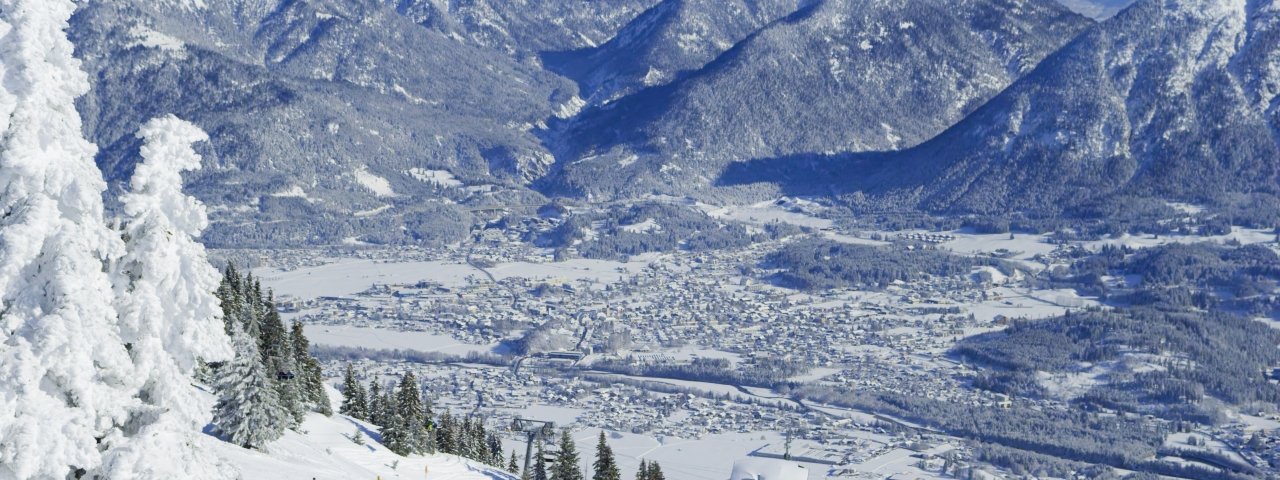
<point>836,75</point>
<point>672,38</point>
<point>1175,99</point>
<point>523,28</point>
<point>322,448</point>
<point>330,119</point>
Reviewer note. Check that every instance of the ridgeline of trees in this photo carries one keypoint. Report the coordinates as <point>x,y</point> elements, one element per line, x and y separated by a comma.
<point>1066,433</point>
<point>1216,354</point>
<point>816,264</point>
<point>1202,276</point>
<point>1015,435</point>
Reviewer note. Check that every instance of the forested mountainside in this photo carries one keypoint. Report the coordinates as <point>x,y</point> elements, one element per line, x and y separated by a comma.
<point>835,76</point>
<point>372,119</point>
<point>1169,99</point>
<point>327,118</point>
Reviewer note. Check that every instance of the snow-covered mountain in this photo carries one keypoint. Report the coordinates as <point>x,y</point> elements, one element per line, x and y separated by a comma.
<point>835,75</point>
<point>1175,99</point>
<point>329,119</point>
<point>666,42</point>
<point>388,121</point>
<point>368,120</point>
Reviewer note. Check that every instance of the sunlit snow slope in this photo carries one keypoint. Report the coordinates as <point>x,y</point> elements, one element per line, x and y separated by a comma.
<point>324,451</point>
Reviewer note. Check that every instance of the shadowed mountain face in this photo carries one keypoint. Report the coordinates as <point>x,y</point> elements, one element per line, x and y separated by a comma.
<point>832,76</point>
<point>1169,99</point>
<point>329,119</point>
<point>665,43</point>
<point>389,120</point>
<point>369,120</point>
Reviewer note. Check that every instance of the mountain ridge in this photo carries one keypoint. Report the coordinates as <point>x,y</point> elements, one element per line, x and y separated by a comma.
<point>816,80</point>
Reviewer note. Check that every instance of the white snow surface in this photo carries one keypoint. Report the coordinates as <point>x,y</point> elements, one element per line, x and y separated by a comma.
<point>768,469</point>
<point>322,449</point>
<point>378,185</point>
<point>649,225</point>
<point>148,38</point>
<point>440,178</point>
<point>376,338</point>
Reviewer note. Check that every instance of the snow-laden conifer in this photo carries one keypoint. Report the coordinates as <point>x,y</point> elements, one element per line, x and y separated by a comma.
<point>248,412</point>
<point>169,315</point>
<point>65,375</point>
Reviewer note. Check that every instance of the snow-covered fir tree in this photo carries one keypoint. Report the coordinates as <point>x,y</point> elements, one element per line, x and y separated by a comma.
<point>412,413</point>
<point>66,379</point>
<point>310,375</point>
<point>248,412</point>
<point>278,353</point>
<point>169,315</point>
<point>566,465</point>
<point>231,293</point>
<point>540,463</point>
<point>605,467</point>
<point>394,435</point>
<point>446,441</point>
<point>377,406</point>
<point>354,403</point>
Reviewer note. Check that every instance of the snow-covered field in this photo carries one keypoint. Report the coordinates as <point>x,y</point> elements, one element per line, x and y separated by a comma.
<point>348,276</point>
<point>765,212</point>
<point>377,338</point>
<point>1246,236</point>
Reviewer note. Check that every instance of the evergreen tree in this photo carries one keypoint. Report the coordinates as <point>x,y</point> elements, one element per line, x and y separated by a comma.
<point>354,403</point>
<point>287,385</point>
<point>606,467</point>
<point>248,413</point>
<point>410,409</point>
<point>168,313</point>
<point>540,463</point>
<point>388,402</point>
<point>566,463</point>
<point>513,465</point>
<point>358,437</point>
<point>473,444</point>
<point>393,432</point>
<point>445,440</point>
<point>251,312</point>
<point>278,355</point>
<point>643,472</point>
<point>495,450</point>
<point>232,298</point>
<point>64,371</point>
<point>310,373</point>
<point>655,472</point>
<point>376,408</point>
